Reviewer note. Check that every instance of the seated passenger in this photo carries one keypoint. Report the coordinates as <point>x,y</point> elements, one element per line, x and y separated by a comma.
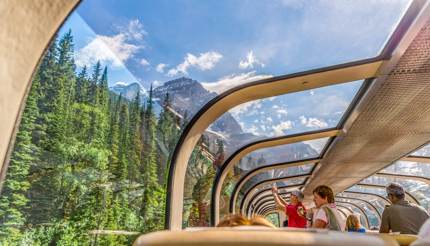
<point>295,211</point>
<point>402,216</point>
<point>326,215</point>
<point>234,220</point>
<point>353,224</point>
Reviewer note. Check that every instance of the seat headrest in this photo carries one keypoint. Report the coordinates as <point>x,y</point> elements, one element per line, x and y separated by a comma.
<point>254,237</point>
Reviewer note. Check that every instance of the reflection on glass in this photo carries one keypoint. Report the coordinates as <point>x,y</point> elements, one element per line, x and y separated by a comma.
<point>373,217</point>
<point>89,164</point>
<point>304,111</point>
<point>356,211</point>
<point>277,173</point>
<point>280,154</point>
<point>289,182</point>
<point>274,219</point>
<point>418,189</point>
<point>379,203</point>
<point>409,168</point>
<point>424,151</point>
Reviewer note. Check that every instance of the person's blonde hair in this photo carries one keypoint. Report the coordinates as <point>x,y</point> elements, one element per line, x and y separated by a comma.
<point>239,220</point>
<point>353,222</point>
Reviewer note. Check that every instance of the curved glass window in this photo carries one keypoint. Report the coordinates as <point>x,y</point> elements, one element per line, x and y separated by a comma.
<point>274,219</point>
<point>418,189</point>
<point>277,173</point>
<point>378,202</point>
<point>292,113</point>
<point>424,151</point>
<point>269,192</point>
<point>371,214</point>
<point>409,168</point>
<point>115,89</point>
<point>356,211</point>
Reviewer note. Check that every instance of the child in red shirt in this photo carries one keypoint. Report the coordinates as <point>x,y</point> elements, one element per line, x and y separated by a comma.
<point>294,210</point>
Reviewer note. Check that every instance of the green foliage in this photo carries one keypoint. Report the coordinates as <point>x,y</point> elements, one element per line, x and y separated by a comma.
<point>87,165</point>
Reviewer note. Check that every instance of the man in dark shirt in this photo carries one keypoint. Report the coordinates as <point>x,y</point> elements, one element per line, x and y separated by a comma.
<point>401,216</point>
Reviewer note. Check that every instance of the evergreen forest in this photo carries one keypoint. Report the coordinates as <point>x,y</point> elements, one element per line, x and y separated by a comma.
<point>88,166</point>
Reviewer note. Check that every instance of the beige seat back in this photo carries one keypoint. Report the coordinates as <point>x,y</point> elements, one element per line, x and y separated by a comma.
<point>254,237</point>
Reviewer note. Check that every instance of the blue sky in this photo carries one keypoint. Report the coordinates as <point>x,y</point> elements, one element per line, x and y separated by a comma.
<point>224,43</point>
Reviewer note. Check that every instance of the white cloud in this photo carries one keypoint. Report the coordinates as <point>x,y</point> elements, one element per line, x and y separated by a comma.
<point>312,122</point>
<point>144,62</point>
<point>278,130</point>
<point>156,83</point>
<point>160,67</point>
<point>253,130</point>
<point>245,108</point>
<point>113,50</point>
<point>233,80</point>
<point>134,30</point>
<point>312,92</point>
<point>120,83</point>
<point>250,61</point>
<point>275,106</point>
<point>203,62</point>
<point>269,119</point>
<point>282,111</point>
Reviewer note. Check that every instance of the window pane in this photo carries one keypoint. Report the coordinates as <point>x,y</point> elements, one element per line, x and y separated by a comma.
<point>298,112</point>
<point>110,99</point>
<point>356,211</point>
<point>279,154</point>
<point>409,168</point>
<point>200,40</point>
<point>424,151</point>
<point>374,220</point>
<point>418,189</point>
<point>277,173</point>
<point>379,203</point>
<point>274,219</point>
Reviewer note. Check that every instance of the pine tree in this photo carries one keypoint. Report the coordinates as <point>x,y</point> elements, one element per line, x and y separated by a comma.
<point>152,204</point>
<point>14,201</point>
<point>167,134</point>
<point>82,86</point>
<point>94,81</point>
<point>135,141</point>
<point>103,92</point>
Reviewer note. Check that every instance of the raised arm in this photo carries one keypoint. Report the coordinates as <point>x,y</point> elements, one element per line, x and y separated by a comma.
<point>280,202</point>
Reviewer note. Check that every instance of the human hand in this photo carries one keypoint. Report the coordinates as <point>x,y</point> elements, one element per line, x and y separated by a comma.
<point>274,189</point>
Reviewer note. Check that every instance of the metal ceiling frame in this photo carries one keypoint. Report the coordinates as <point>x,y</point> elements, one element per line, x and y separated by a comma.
<point>243,151</point>
<point>348,209</point>
<point>261,144</point>
<point>275,86</point>
<point>268,181</point>
<point>249,92</point>
<point>264,199</point>
<point>403,176</point>
<point>267,210</point>
<point>259,203</point>
<point>358,207</point>
<point>256,195</point>
<point>412,158</point>
<point>261,195</point>
<point>368,194</point>
<point>272,180</point>
<point>262,169</point>
<point>407,194</point>
<point>364,201</point>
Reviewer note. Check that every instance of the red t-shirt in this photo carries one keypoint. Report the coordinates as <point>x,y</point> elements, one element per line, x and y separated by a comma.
<point>294,219</point>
